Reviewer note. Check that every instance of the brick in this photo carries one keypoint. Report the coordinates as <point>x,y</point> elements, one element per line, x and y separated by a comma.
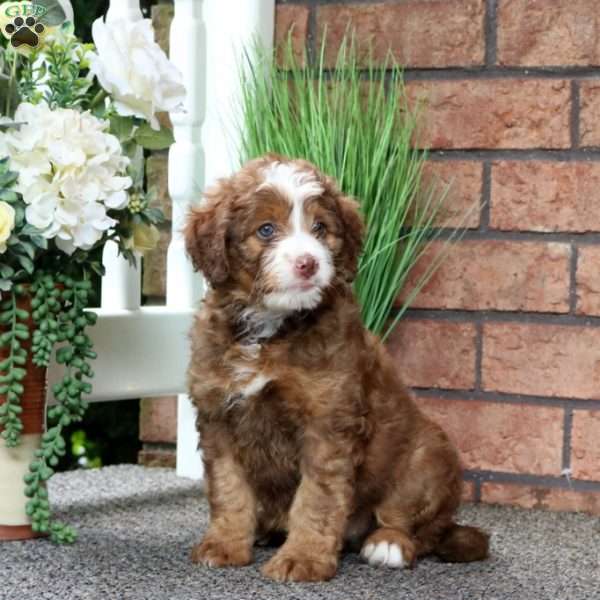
<point>544,196</point>
<point>291,20</point>
<point>501,437</point>
<point>548,33</point>
<point>588,282</point>
<point>500,113</point>
<point>419,34</point>
<point>589,119</point>
<point>158,419</point>
<point>468,491</point>
<point>541,360</point>
<point>158,458</point>
<point>154,280</point>
<point>461,182</point>
<point>585,445</point>
<point>545,498</point>
<point>162,17</point>
<point>157,174</point>
<point>494,275</point>
<point>435,353</point>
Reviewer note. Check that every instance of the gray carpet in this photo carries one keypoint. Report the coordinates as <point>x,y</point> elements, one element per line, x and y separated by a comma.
<point>136,527</point>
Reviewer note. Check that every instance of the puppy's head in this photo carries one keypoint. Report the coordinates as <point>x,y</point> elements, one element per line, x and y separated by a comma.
<point>277,233</point>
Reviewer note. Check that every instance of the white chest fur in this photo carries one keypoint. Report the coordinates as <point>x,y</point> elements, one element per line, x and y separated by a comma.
<point>247,377</point>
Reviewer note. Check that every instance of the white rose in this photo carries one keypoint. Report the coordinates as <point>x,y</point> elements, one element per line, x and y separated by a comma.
<point>7,224</point>
<point>134,70</point>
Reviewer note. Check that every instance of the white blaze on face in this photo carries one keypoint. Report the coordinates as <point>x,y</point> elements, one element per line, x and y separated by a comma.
<point>295,292</point>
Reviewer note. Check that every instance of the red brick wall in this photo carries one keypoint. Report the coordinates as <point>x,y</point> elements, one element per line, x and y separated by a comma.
<point>503,346</point>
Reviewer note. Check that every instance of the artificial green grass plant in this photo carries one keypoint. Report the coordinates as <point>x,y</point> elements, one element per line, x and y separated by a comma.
<point>353,122</point>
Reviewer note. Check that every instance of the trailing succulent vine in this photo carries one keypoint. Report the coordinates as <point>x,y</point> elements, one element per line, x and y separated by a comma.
<point>12,368</point>
<point>60,323</point>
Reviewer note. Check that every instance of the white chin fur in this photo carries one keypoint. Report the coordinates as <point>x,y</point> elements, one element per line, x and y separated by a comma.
<point>293,300</point>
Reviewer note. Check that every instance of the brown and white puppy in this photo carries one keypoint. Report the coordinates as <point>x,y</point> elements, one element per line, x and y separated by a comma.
<point>305,426</point>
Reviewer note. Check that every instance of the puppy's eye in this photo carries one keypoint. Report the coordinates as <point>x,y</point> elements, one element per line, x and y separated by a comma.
<point>319,228</point>
<point>266,231</point>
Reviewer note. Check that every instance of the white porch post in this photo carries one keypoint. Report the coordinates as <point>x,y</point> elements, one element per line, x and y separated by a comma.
<point>186,180</point>
<point>233,29</point>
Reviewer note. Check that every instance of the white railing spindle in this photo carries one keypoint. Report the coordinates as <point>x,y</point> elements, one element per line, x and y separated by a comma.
<point>186,180</point>
<point>121,285</point>
<point>232,34</point>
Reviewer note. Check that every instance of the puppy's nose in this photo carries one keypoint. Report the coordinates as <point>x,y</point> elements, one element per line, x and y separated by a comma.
<point>306,266</point>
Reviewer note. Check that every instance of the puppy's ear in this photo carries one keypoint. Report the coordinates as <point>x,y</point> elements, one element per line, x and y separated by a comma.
<point>205,236</point>
<point>354,230</point>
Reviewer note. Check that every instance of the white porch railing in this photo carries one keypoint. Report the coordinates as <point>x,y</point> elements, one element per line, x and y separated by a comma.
<point>143,351</point>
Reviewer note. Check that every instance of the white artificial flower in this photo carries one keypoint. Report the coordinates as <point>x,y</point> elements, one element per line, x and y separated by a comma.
<point>134,70</point>
<point>71,173</point>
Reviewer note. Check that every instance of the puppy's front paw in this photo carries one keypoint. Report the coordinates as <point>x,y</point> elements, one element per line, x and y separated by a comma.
<point>286,567</point>
<point>217,553</point>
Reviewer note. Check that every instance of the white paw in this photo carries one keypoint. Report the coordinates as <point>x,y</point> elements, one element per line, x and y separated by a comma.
<point>384,554</point>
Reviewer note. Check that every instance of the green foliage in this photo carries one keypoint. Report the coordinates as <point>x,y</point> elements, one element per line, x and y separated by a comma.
<point>12,368</point>
<point>353,122</point>
<point>151,139</point>
<point>56,73</point>
<point>58,310</point>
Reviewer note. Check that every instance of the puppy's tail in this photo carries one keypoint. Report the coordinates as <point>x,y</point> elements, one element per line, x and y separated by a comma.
<point>462,543</point>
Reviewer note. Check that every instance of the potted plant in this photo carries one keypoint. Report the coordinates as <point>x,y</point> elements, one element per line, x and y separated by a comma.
<point>76,119</point>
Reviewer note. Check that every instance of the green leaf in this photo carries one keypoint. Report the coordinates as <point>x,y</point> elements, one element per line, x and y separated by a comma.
<point>6,271</point>
<point>26,263</point>
<point>27,248</point>
<point>150,139</point>
<point>122,127</point>
<point>8,196</point>
<point>40,242</point>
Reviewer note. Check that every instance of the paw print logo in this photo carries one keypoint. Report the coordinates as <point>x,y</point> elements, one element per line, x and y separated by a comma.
<point>24,31</point>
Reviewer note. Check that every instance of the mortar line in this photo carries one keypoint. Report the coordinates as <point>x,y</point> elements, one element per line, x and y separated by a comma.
<point>484,476</point>
<point>311,35</point>
<point>575,114</point>
<point>567,432</point>
<point>573,279</point>
<point>486,196</point>
<point>491,32</point>
<point>478,355</point>
<point>507,398</point>
<point>476,491</point>
<point>590,154</point>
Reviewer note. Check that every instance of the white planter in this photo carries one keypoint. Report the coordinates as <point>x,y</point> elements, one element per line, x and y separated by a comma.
<point>14,463</point>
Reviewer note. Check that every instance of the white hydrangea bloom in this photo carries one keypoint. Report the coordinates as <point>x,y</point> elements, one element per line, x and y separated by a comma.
<point>134,70</point>
<point>71,172</point>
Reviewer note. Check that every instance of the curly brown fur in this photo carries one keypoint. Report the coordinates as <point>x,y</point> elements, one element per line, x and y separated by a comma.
<point>304,424</point>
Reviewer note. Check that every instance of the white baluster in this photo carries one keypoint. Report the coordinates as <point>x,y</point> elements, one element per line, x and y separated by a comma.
<point>128,10</point>
<point>231,34</point>
<point>186,179</point>
<point>121,285</point>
